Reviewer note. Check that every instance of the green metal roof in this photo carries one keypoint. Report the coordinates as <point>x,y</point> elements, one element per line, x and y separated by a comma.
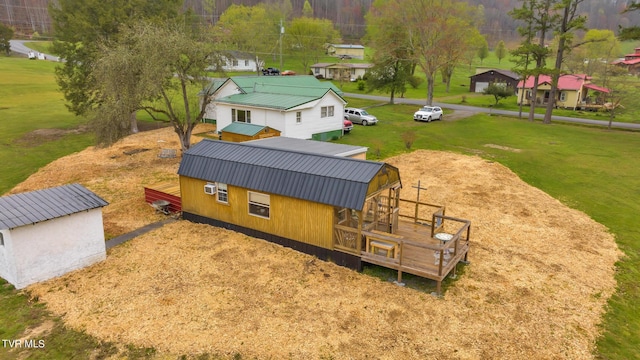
<point>277,92</point>
<point>213,86</point>
<point>243,128</point>
<point>272,101</point>
<point>297,85</point>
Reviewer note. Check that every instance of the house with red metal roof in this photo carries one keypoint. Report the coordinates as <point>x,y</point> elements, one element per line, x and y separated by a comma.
<point>575,91</point>
<point>631,62</point>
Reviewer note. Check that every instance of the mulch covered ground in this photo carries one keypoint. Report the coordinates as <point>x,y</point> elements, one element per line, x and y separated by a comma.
<point>539,278</point>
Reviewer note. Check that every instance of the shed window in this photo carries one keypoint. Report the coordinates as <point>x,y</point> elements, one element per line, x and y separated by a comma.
<point>259,204</point>
<point>298,117</point>
<point>1,239</point>
<point>223,195</point>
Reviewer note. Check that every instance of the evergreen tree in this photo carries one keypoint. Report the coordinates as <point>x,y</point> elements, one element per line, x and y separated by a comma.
<point>483,51</point>
<point>501,51</point>
<point>6,34</point>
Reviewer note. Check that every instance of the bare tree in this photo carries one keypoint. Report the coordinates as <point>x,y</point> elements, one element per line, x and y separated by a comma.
<point>159,69</point>
<point>569,23</point>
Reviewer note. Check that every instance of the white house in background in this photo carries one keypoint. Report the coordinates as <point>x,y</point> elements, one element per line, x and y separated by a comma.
<point>346,50</point>
<point>300,107</point>
<point>346,71</point>
<point>47,233</point>
<point>241,61</point>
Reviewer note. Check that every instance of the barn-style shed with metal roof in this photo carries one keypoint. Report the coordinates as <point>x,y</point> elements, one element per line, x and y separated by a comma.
<point>47,233</point>
<point>288,197</point>
<point>333,207</point>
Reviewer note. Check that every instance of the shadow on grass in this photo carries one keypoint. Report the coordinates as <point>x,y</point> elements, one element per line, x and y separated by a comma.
<point>412,281</point>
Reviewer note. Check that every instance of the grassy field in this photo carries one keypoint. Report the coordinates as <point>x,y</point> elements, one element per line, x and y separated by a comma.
<point>590,169</point>
<point>30,100</point>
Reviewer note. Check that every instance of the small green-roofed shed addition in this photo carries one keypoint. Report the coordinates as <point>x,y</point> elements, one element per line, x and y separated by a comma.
<point>239,132</point>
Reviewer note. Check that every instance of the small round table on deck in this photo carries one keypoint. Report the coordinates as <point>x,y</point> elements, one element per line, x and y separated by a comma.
<point>443,237</point>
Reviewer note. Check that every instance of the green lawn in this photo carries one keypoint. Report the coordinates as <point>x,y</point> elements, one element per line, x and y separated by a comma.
<point>30,100</point>
<point>590,169</point>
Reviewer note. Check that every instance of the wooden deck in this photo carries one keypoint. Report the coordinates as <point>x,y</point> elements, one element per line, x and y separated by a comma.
<point>413,250</point>
<point>168,190</point>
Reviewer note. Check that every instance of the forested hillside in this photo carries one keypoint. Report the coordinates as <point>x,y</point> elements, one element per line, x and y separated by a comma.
<point>30,16</point>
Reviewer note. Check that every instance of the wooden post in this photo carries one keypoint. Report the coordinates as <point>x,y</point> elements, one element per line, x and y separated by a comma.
<point>415,216</point>
<point>400,262</point>
<point>359,236</point>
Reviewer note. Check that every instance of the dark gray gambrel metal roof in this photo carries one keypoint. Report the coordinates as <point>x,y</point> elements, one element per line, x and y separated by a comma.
<point>325,179</point>
<point>41,205</point>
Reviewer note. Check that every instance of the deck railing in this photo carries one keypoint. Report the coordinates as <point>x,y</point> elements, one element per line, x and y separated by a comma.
<point>346,239</point>
<point>432,259</point>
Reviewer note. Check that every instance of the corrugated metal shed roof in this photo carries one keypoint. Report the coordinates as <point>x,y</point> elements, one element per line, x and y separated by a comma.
<point>41,205</point>
<point>332,180</point>
<point>243,128</point>
<point>312,146</point>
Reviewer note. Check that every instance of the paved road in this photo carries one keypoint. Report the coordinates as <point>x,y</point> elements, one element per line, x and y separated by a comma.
<point>473,109</point>
<point>20,47</point>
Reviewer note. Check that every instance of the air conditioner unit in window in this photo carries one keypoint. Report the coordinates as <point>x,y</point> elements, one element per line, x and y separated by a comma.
<point>210,189</point>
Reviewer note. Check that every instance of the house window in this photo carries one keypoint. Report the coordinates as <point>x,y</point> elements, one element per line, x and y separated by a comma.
<point>222,195</point>
<point>241,115</point>
<point>235,62</point>
<point>246,63</point>
<point>298,117</point>
<point>563,96</point>
<point>316,71</point>
<point>259,204</point>
<point>326,111</point>
<point>1,239</point>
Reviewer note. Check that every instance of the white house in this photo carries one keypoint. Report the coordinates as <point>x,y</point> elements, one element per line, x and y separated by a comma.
<point>47,233</point>
<point>346,71</point>
<point>300,107</point>
<point>346,50</point>
<point>240,61</point>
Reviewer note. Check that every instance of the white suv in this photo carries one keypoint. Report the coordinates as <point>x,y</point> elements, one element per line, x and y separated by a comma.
<point>428,113</point>
<point>359,116</point>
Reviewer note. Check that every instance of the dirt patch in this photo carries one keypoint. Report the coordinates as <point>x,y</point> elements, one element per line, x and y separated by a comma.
<point>39,136</point>
<point>458,114</point>
<point>539,278</point>
<point>505,148</point>
<point>39,331</point>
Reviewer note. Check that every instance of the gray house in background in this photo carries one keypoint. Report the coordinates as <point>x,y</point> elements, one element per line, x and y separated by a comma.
<point>484,77</point>
<point>48,233</point>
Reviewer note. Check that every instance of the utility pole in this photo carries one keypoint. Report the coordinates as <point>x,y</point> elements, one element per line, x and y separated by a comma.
<point>281,33</point>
